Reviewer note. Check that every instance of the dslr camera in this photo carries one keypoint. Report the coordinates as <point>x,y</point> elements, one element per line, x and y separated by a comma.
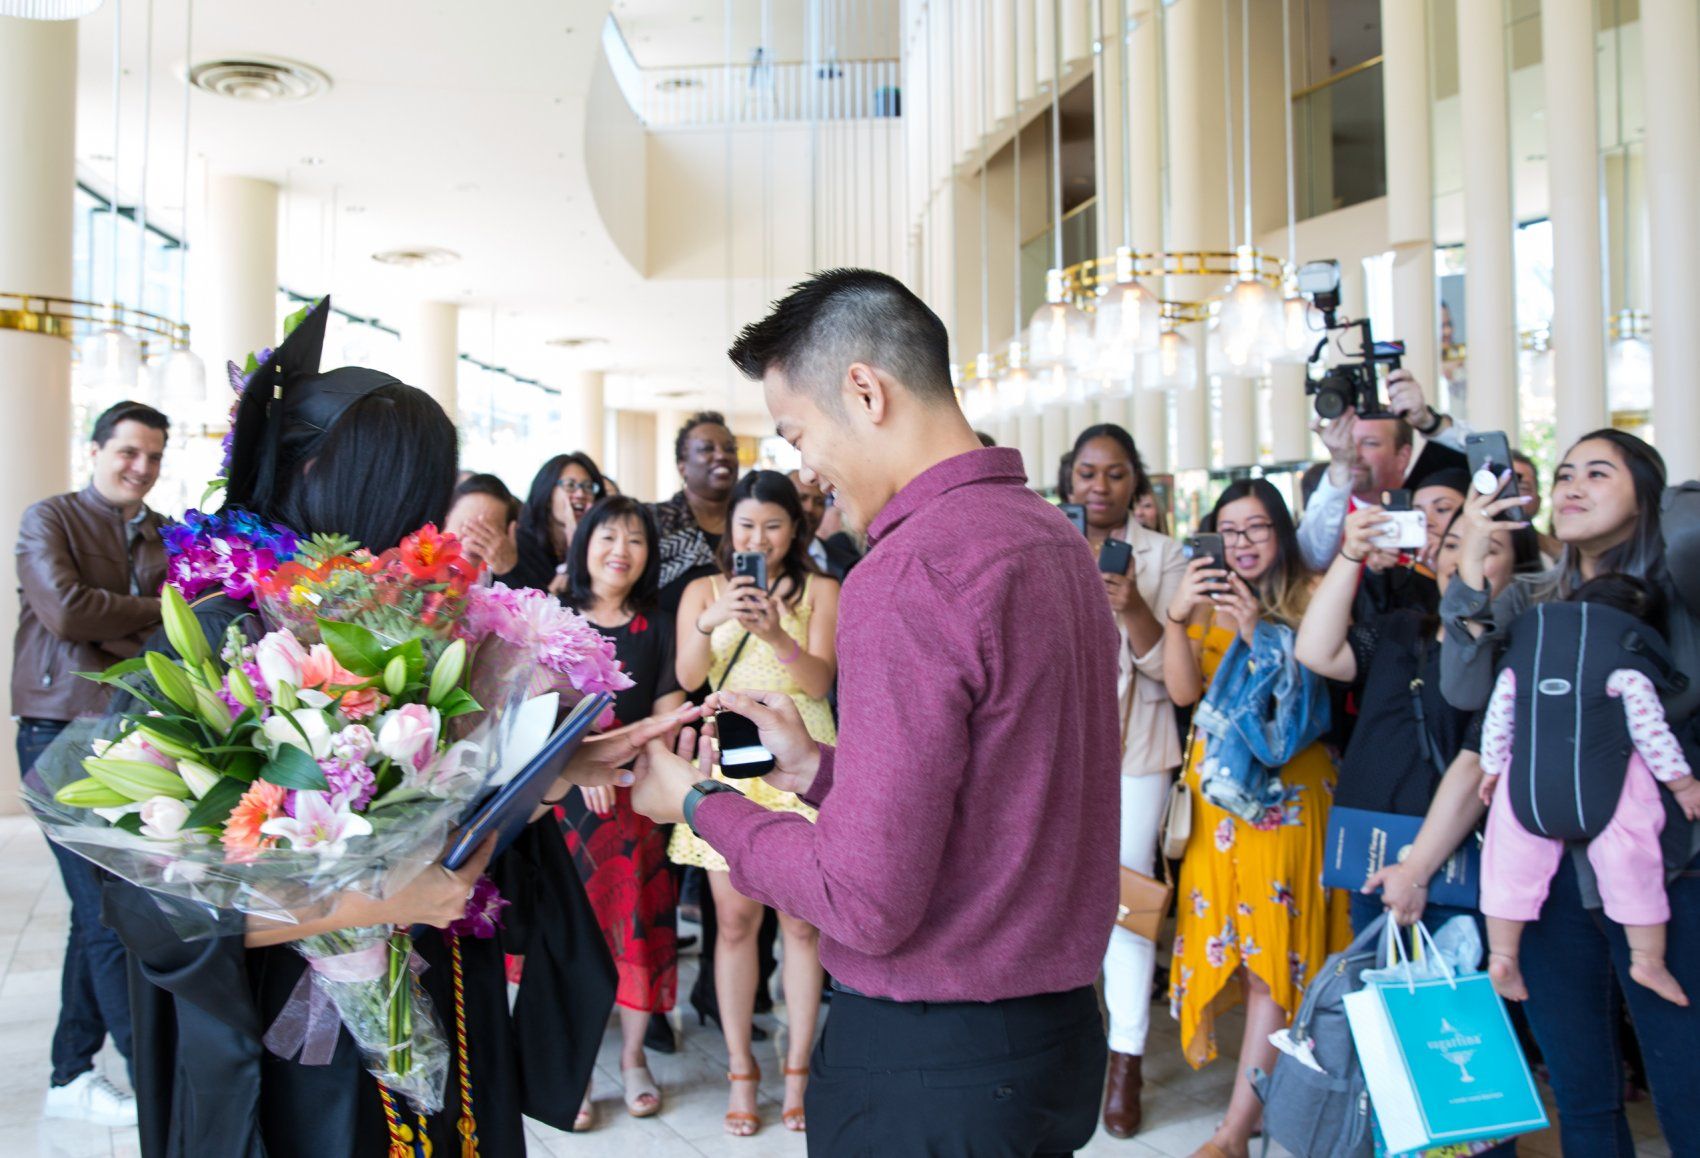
<point>1348,384</point>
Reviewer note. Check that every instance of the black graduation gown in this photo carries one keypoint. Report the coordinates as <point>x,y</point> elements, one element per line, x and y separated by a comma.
<point>206,1084</point>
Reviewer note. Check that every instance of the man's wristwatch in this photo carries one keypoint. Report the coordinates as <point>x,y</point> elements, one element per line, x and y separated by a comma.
<point>1433,427</point>
<point>699,792</point>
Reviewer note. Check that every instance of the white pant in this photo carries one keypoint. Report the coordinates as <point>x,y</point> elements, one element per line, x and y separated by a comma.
<point>1132,960</point>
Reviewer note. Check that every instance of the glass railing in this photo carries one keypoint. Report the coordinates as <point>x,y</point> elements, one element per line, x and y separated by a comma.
<point>1340,140</point>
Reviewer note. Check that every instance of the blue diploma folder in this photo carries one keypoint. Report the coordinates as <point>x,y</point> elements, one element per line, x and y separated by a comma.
<point>1362,842</point>
<point>509,809</point>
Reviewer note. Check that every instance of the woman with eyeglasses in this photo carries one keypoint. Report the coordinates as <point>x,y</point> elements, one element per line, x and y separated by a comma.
<point>565,488</point>
<point>1254,919</point>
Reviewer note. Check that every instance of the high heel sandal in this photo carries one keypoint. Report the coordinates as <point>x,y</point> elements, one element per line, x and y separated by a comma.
<point>794,1119</point>
<point>707,1013</point>
<point>639,1085</point>
<point>737,1120</point>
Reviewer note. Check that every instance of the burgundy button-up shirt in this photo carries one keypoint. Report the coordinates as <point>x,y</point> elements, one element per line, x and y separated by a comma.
<point>966,848</point>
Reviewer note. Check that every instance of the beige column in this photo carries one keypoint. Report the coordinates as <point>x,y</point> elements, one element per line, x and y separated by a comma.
<point>633,462</point>
<point>236,270</point>
<point>1289,433</point>
<point>1151,429</point>
<point>1030,439</point>
<point>38,81</point>
<point>431,353</point>
<point>1489,272</point>
<point>1410,183</point>
<point>584,408</point>
<point>1239,421</point>
<point>1026,78</point>
<point>1670,34</point>
<point>1000,45</point>
<point>1573,183</point>
<point>1198,182</point>
<point>1144,113</point>
<point>666,474</point>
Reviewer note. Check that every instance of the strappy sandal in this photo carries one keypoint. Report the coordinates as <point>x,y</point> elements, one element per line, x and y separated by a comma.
<point>742,1123</point>
<point>794,1119</point>
<point>640,1085</point>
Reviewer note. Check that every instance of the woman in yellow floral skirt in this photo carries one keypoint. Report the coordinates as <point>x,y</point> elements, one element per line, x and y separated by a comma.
<point>738,637</point>
<point>1254,920</point>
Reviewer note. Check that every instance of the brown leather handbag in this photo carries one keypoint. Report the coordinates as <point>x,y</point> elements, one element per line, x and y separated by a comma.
<point>1144,901</point>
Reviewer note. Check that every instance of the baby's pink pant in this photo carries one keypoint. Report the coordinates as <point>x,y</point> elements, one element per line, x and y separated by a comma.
<point>1517,865</point>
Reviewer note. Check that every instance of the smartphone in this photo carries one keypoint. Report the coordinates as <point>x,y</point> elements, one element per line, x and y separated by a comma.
<point>1076,515</point>
<point>753,564</point>
<point>1114,556</point>
<point>742,754</point>
<point>1489,453</point>
<point>1210,546</point>
<point>1405,531</point>
<point>1399,500</point>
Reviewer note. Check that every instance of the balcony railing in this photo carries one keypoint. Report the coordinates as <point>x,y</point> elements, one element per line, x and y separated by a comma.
<point>756,93</point>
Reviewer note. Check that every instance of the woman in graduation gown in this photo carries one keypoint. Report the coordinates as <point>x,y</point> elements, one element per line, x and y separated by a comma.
<point>356,452</point>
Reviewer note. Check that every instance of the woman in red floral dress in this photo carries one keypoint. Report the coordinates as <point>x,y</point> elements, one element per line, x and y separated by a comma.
<point>613,573</point>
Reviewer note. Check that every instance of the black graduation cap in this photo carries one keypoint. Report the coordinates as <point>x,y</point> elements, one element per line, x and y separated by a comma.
<point>286,407</point>
<point>1434,460</point>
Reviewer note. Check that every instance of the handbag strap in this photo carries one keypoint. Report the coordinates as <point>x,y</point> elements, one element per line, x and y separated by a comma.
<point>738,651</point>
<point>1430,748</point>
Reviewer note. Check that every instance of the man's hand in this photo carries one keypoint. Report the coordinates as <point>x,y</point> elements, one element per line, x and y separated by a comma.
<point>1340,437</point>
<point>665,775</point>
<point>489,544</point>
<point>1405,398</point>
<point>796,755</point>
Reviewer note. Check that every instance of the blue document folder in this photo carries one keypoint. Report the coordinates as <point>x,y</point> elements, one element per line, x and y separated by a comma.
<point>509,809</point>
<point>1362,842</point>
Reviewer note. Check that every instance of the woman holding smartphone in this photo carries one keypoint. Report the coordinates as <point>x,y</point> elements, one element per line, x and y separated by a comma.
<point>1108,475</point>
<point>736,636</point>
<point>1254,919</point>
<point>615,581</point>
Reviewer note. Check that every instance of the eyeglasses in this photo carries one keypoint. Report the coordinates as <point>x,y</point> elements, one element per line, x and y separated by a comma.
<point>574,487</point>
<point>1253,533</point>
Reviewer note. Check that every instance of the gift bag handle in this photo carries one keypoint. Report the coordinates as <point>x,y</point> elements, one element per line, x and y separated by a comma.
<point>1393,953</point>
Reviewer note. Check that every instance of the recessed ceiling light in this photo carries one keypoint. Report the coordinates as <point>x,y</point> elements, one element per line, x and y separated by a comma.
<point>357,209</point>
<point>573,343</point>
<point>414,258</point>
<point>103,158</point>
<point>675,83</point>
<point>312,162</point>
<point>259,79</point>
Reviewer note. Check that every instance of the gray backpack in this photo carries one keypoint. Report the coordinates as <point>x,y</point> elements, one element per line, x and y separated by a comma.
<point>1323,1115</point>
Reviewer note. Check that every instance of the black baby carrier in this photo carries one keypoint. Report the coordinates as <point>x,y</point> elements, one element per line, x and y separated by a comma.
<point>1571,744</point>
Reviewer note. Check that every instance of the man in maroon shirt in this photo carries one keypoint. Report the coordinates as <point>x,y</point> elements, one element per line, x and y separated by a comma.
<point>963,869</point>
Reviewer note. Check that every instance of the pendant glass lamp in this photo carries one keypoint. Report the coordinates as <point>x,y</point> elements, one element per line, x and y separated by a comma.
<point>1051,387</point>
<point>1250,321</point>
<point>1629,365</point>
<point>1060,333</point>
<point>1296,336</point>
<point>980,398</point>
<point>1016,384</point>
<point>180,384</point>
<point>49,9</point>
<point>1126,324</point>
<point>1175,364</point>
<point>111,362</point>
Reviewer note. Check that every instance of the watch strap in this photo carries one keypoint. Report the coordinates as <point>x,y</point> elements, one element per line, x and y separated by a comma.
<point>699,792</point>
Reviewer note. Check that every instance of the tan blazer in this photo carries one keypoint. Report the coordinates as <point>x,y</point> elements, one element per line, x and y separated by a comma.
<point>1152,741</point>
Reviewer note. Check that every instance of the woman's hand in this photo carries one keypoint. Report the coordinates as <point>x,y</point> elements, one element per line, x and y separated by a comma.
<point>1123,594</point>
<point>489,544</point>
<point>438,895</point>
<point>1403,894</point>
<point>760,617</point>
<point>738,596</point>
<point>1240,603</point>
<point>1203,582</point>
<point>558,585</point>
<point>599,800</point>
<point>1476,528</point>
<point>1363,527</point>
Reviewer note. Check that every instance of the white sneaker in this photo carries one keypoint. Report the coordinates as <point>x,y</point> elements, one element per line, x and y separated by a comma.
<point>89,1097</point>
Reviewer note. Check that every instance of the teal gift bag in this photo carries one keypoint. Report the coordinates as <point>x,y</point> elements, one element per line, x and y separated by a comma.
<point>1440,1058</point>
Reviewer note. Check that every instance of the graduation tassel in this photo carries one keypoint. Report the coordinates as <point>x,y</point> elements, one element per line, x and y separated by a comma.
<point>468,1125</point>
<point>404,1141</point>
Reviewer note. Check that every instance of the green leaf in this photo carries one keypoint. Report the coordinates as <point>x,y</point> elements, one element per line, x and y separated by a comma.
<point>413,652</point>
<point>293,768</point>
<point>354,647</point>
<point>130,822</point>
<point>213,487</point>
<point>123,667</point>
<point>458,703</point>
<point>245,766</point>
<point>214,808</point>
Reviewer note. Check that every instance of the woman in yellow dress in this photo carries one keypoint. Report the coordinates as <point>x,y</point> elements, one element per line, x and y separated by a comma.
<point>737,637</point>
<point>1254,920</point>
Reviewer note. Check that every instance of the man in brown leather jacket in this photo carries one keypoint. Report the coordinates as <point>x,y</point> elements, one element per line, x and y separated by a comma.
<point>90,565</point>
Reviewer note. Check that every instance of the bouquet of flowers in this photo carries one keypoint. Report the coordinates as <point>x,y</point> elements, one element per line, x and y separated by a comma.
<point>332,753</point>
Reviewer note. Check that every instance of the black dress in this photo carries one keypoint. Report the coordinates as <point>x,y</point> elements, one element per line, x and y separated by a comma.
<point>206,1085</point>
<point>622,857</point>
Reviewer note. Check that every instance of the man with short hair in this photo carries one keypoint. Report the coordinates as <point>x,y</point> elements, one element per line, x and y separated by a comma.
<point>833,550</point>
<point>485,518</point>
<point>1529,483</point>
<point>963,869</point>
<point>691,522</point>
<point>90,565</point>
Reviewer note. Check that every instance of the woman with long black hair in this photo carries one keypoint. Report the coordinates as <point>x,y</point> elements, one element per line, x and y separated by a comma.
<point>357,453</point>
<point>562,490</point>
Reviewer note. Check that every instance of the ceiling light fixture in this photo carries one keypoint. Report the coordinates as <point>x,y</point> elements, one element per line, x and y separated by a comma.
<point>416,258</point>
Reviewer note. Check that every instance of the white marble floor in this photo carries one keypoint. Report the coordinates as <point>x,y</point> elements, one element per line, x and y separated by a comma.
<point>1181,1106</point>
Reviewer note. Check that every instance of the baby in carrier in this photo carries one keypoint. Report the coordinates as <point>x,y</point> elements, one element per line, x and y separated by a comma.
<point>1573,742</point>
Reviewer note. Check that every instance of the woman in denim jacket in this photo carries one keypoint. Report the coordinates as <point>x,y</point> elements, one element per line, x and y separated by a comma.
<point>1253,916</point>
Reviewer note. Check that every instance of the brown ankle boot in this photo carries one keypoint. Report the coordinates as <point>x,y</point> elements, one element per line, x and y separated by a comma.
<point>1121,1100</point>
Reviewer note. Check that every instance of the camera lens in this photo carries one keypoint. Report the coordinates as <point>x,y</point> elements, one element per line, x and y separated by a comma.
<point>1330,401</point>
